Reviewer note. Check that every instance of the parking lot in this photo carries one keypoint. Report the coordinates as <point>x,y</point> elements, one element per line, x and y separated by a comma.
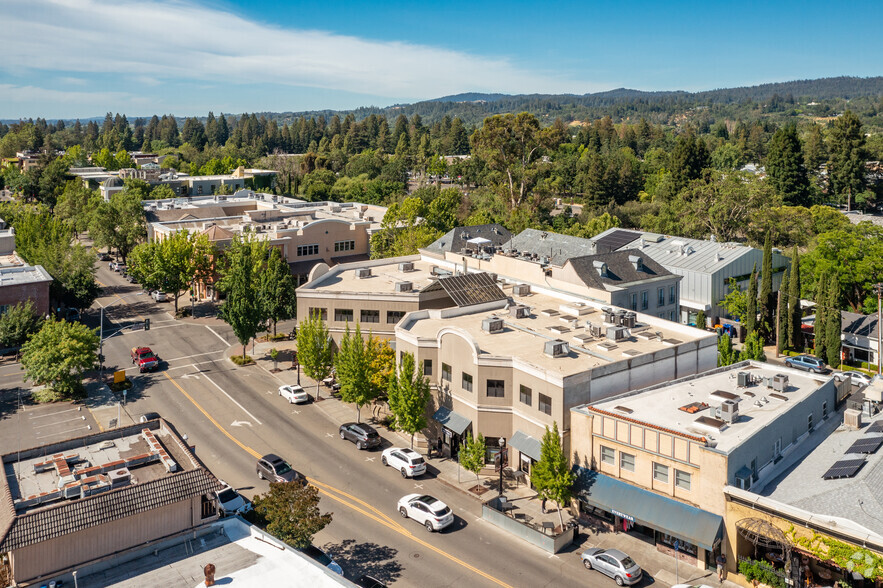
<point>34,425</point>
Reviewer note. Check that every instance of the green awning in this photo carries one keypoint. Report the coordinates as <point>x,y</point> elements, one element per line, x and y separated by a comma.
<point>526,445</point>
<point>451,420</point>
<point>635,504</point>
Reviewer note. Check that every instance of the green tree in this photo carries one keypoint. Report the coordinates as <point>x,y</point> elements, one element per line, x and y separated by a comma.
<point>18,323</point>
<point>383,365</point>
<point>551,475</point>
<point>832,324</point>
<point>314,349</point>
<point>409,394</point>
<point>785,167</point>
<point>119,223</point>
<point>701,320</point>
<point>795,334</point>
<point>403,230</point>
<point>751,302</point>
<point>57,355</point>
<point>766,302</point>
<point>75,206</point>
<point>177,263</point>
<point>815,152</point>
<point>278,289</point>
<point>162,192</point>
<point>243,309</point>
<point>352,364</point>
<point>472,454</point>
<point>736,301</point>
<point>846,166</point>
<point>819,324</point>
<point>753,348</point>
<point>144,266</point>
<point>782,315</point>
<point>291,510</point>
<point>726,355</point>
<point>688,159</point>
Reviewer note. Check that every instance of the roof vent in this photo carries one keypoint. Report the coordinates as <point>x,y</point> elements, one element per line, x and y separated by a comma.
<point>406,266</point>
<point>404,286</point>
<point>119,477</point>
<point>556,348</point>
<point>601,268</point>
<point>519,311</point>
<point>363,272</point>
<point>521,289</point>
<point>637,262</point>
<point>492,325</point>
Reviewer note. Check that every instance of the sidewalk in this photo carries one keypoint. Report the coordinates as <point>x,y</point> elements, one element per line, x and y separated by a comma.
<point>105,406</point>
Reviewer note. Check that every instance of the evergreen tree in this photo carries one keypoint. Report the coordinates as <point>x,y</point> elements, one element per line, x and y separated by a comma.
<point>278,289</point>
<point>701,320</point>
<point>766,301</point>
<point>243,309</point>
<point>833,326</point>
<point>814,151</point>
<point>795,334</point>
<point>819,330</point>
<point>782,315</point>
<point>751,311</point>
<point>846,166</point>
<point>726,355</point>
<point>785,167</point>
<point>753,348</point>
<point>551,475</point>
<point>409,394</point>
<point>689,157</point>
<point>314,349</point>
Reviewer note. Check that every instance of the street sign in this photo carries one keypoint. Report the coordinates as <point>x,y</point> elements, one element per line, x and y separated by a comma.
<point>119,376</point>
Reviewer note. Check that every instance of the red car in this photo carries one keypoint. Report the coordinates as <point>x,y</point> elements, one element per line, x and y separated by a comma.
<point>145,358</point>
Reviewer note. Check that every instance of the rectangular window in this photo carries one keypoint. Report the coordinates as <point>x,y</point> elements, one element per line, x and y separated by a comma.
<point>344,245</point>
<point>427,367</point>
<point>682,480</point>
<point>467,382</point>
<point>634,302</point>
<point>660,473</point>
<point>661,297</point>
<point>446,372</point>
<point>545,404</point>
<point>645,299</point>
<point>305,250</point>
<point>825,409</point>
<point>322,312</point>
<point>627,461</point>
<point>343,315</point>
<point>671,294</point>
<point>496,388</point>
<point>394,316</point>
<point>525,395</point>
<point>370,316</point>
<point>671,316</point>
<point>608,455</point>
<point>809,422</point>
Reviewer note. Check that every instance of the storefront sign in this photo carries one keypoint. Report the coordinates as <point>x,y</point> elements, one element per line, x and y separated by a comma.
<point>629,518</point>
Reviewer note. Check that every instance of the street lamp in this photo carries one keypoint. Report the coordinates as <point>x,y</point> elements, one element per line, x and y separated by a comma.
<point>878,288</point>
<point>502,443</point>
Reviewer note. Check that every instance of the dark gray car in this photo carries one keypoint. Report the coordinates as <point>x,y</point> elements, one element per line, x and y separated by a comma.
<point>614,563</point>
<point>274,468</point>
<point>364,436</point>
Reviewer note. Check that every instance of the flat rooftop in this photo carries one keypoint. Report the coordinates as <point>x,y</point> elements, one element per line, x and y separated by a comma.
<point>858,498</point>
<point>243,555</point>
<point>59,473</point>
<point>689,406</point>
<point>384,276</point>
<point>22,274</point>
<point>553,318</point>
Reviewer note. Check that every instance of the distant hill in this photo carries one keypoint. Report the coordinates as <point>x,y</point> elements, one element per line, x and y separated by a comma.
<point>471,97</point>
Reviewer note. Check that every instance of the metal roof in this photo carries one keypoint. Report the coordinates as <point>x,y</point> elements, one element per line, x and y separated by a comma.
<point>451,420</point>
<point>469,289</point>
<point>527,445</point>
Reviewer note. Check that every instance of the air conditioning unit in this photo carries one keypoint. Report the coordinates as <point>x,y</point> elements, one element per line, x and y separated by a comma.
<point>521,289</point>
<point>616,333</point>
<point>519,311</point>
<point>852,418</point>
<point>404,286</point>
<point>780,382</point>
<point>629,320</point>
<point>556,348</point>
<point>119,477</point>
<point>492,325</point>
<point>743,379</point>
<point>363,272</point>
<point>729,411</point>
<point>406,266</point>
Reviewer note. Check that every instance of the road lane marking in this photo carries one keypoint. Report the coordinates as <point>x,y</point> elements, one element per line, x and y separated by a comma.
<point>215,333</point>
<point>40,416</point>
<point>230,397</point>
<point>331,492</point>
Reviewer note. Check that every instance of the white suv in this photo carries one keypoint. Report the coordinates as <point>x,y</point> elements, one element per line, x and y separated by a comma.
<point>294,394</point>
<point>426,510</point>
<point>407,461</point>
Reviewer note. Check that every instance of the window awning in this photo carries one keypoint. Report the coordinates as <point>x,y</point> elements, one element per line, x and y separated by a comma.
<point>451,420</point>
<point>680,520</point>
<point>526,445</point>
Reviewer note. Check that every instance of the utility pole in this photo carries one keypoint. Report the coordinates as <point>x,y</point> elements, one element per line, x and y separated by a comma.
<point>878,288</point>
<point>778,318</point>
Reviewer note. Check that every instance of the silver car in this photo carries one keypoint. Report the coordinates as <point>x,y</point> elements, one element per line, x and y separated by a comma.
<point>614,563</point>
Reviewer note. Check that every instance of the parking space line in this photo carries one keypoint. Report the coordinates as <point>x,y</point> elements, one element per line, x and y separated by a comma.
<point>40,416</point>
<point>64,432</point>
<point>205,375</point>
<point>215,333</point>
<point>60,422</point>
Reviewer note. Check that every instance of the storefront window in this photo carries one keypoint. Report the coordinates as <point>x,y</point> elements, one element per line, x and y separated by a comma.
<point>669,540</point>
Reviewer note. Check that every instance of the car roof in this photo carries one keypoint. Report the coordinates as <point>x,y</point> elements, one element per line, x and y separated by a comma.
<point>151,415</point>
<point>616,554</point>
<point>272,458</point>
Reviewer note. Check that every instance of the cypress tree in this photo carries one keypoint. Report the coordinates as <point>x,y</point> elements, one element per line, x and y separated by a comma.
<point>821,315</point>
<point>832,323</point>
<point>751,313</point>
<point>782,316</point>
<point>765,301</point>
<point>795,335</point>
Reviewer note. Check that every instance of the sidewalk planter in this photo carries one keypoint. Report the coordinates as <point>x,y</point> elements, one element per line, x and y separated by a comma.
<point>490,511</point>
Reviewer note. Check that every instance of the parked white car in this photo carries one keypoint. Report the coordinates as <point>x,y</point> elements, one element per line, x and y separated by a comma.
<point>407,461</point>
<point>232,502</point>
<point>159,296</point>
<point>430,512</point>
<point>294,394</point>
<point>858,378</point>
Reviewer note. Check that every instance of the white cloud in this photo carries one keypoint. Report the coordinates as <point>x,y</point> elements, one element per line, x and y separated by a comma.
<point>173,41</point>
<point>13,94</point>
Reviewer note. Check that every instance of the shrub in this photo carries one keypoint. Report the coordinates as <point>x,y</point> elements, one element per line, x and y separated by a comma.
<point>241,359</point>
<point>119,387</point>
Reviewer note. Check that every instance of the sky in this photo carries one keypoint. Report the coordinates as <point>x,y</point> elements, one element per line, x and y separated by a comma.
<point>83,58</point>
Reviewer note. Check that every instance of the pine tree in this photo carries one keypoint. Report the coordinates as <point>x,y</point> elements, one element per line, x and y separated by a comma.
<point>753,348</point>
<point>551,475</point>
<point>819,330</point>
<point>833,326</point>
<point>846,167</point>
<point>782,315</point>
<point>751,312</point>
<point>785,167</point>
<point>726,355</point>
<point>795,334</point>
<point>765,301</point>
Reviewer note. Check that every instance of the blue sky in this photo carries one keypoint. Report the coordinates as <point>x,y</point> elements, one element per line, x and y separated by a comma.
<point>82,58</point>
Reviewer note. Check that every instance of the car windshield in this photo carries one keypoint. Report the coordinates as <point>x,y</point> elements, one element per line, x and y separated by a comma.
<point>372,434</point>
<point>227,495</point>
<point>145,354</point>
<point>282,468</point>
<point>416,460</point>
<point>627,562</point>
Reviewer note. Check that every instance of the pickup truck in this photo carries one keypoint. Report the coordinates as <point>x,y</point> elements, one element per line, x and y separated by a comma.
<point>145,359</point>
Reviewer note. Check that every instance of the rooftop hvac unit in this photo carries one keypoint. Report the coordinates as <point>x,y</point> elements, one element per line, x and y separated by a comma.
<point>595,330</point>
<point>852,418</point>
<point>629,320</point>
<point>608,315</point>
<point>492,276</point>
<point>521,289</point>
<point>780,382</point>
<point>729,411</point>
<point>404,286</point>
<point>363,272</point>
<point>616,333</point>
<point>743,379</point>
<point>519,311</point>
<point>492,325</point>
<point>406,266</point>
<point>119,477</point>
<point>556,348</point>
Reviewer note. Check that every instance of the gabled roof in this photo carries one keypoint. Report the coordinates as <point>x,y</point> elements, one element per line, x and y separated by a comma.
<point>72,516</point>
<point>456,239</point>
<point>469,289</point>
<point>859,325</point>
<point>620,269</point>
<point>217,233</point>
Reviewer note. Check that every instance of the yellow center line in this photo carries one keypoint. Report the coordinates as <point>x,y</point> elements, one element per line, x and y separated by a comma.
<point>330,490</point>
